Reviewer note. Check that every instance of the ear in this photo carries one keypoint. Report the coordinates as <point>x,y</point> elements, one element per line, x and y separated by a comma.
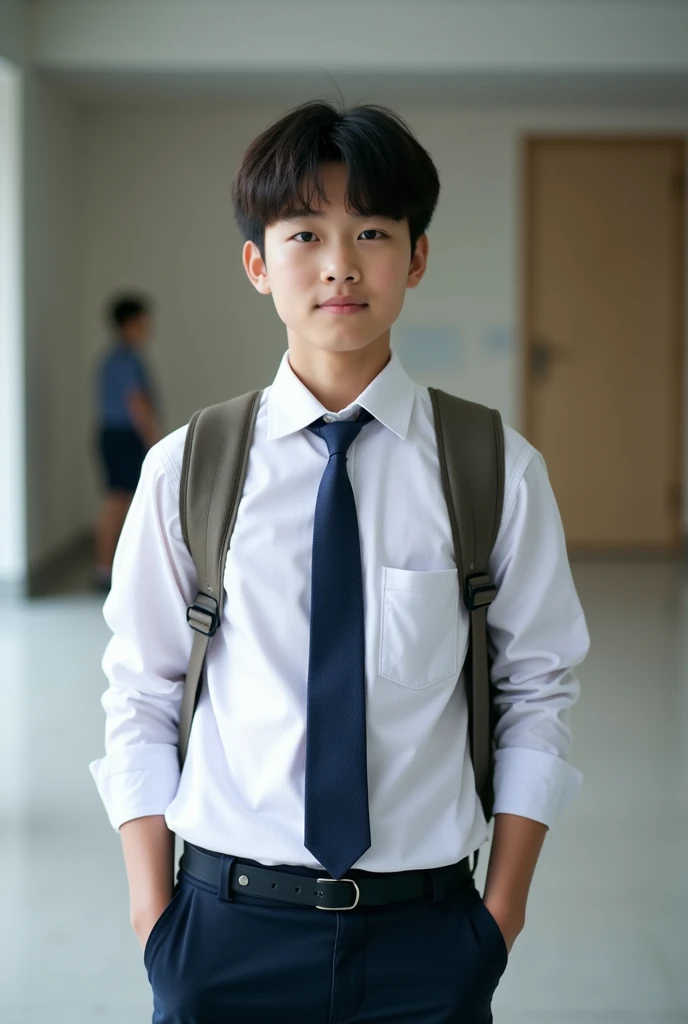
<point>255,268</point>
<point>419,262</point>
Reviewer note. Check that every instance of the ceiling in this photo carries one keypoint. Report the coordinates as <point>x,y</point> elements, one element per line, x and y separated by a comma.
<point>503,88</point>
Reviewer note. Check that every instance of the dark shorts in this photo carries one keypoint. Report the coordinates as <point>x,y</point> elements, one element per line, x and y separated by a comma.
<point>122,453</point>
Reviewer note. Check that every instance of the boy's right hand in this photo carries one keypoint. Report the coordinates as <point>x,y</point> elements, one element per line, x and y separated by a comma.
<point>144,920</point>
<point>148,847</point>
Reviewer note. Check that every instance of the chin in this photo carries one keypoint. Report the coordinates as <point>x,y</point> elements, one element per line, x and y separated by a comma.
<point>343,344</point>
<point>343,338</point>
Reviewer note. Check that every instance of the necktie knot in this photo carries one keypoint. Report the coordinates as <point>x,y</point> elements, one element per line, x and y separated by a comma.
<point>339,435</point>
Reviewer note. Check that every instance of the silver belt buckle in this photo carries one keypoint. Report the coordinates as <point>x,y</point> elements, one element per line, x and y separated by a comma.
<point>333,881</point>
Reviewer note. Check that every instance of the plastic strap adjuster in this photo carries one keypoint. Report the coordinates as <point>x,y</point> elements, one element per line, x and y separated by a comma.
<point>203,615</point>
<point>479,591</point>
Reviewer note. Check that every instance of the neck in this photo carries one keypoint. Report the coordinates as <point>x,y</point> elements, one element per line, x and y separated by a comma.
<point>338,378</point>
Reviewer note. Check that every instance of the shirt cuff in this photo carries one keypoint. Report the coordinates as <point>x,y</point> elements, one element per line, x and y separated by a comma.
<point>533,784</point>
<point>137,781</point>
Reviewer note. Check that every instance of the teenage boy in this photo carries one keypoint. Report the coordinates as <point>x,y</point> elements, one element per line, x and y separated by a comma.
<point>331,736</point>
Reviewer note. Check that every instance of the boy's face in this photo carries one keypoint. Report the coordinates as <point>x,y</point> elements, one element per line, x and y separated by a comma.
<point>138,330</point>
<point>310,259</point>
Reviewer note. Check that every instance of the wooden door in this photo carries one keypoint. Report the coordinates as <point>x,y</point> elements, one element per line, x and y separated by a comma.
<point>603,334</point>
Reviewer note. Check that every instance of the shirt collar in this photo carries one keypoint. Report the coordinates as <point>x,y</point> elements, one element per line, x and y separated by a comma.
<point>291,406</point>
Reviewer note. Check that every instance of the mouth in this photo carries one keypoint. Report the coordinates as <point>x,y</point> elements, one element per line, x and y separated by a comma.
<point>345,308</point>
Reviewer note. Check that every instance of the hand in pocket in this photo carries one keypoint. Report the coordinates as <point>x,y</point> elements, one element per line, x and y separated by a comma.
<point>143,921</point>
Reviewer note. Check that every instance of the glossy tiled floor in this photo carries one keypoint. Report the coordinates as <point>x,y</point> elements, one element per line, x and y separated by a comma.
<point>607,935</point>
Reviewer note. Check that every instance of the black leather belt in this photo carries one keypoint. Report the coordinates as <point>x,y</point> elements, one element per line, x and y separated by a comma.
<point>360,890</point>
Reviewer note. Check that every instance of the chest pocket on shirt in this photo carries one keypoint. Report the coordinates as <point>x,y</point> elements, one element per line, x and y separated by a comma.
<point>419,629</point>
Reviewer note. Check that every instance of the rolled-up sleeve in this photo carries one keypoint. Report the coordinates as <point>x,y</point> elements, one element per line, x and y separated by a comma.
<point>153,581</point>
<point>538,635</point>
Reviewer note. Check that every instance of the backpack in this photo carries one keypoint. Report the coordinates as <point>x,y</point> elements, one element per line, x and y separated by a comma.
<point>470,446</point>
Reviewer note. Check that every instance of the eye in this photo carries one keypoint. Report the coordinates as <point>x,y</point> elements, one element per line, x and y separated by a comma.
<point>312,235</point>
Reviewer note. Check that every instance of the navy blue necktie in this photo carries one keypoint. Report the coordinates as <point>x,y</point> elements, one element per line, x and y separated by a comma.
<point>337,823</point>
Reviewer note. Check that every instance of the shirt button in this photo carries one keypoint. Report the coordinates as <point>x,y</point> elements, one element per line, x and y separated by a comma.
<point>328,418</point>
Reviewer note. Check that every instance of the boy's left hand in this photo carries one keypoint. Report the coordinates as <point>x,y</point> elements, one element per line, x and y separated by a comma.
<point>516,845</point>
<point>510,922</point>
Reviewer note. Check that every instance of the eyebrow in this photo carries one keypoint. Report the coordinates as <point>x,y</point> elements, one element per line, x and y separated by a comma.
<point>305,211</point>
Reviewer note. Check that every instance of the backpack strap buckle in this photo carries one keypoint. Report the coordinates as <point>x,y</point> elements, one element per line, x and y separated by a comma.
<point>479,591</point>
<point>204,614</point>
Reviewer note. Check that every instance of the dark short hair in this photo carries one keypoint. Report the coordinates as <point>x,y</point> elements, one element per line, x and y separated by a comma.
<point>124,308</point>
<point>389,173</point>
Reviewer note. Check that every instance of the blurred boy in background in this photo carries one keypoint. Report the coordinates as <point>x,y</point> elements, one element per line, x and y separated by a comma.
<point>127,421</point>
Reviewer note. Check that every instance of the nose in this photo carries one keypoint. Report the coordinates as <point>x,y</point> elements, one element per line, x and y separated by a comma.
<point>340,265</point>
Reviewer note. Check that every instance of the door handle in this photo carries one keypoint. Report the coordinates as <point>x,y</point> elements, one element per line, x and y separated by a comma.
<point>543,354</point>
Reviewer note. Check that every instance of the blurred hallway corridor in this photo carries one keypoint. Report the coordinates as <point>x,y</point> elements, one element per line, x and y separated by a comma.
<point>605,942</point>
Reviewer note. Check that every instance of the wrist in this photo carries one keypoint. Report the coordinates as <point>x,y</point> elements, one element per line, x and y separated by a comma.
<point>143,910</point>
<point>508,903</point>
<point>510,917</point>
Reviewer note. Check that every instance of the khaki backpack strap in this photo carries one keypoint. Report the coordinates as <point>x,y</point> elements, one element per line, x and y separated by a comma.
<point>216,451</point>
<point>470,445</point>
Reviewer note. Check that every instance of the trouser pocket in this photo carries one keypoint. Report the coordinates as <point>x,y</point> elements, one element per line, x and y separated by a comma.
<point>157,936</point>
<point>488,935</point>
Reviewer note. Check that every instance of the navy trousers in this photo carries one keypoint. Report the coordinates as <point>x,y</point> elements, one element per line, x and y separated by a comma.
<point>215,960</point>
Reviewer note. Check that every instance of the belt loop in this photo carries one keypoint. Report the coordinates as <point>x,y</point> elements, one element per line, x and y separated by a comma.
<point>439,888</point>
<point>226,878</point>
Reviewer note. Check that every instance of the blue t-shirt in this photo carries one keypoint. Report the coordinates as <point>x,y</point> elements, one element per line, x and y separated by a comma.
<point>121,372</point>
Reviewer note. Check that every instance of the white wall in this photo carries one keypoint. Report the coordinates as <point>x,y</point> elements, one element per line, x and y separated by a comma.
<point>12,30</point>
<point>42,404</point>
<point>52,303</point>
<point>364,35</point>
<point>12,504</point>
<point>157,214</point>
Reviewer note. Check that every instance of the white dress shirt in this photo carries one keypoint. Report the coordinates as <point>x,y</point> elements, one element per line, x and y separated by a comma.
<point>242,788</point>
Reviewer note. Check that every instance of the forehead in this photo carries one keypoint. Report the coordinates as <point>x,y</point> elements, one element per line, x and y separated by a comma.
<point>334,179</point>
<point>329,199</point>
